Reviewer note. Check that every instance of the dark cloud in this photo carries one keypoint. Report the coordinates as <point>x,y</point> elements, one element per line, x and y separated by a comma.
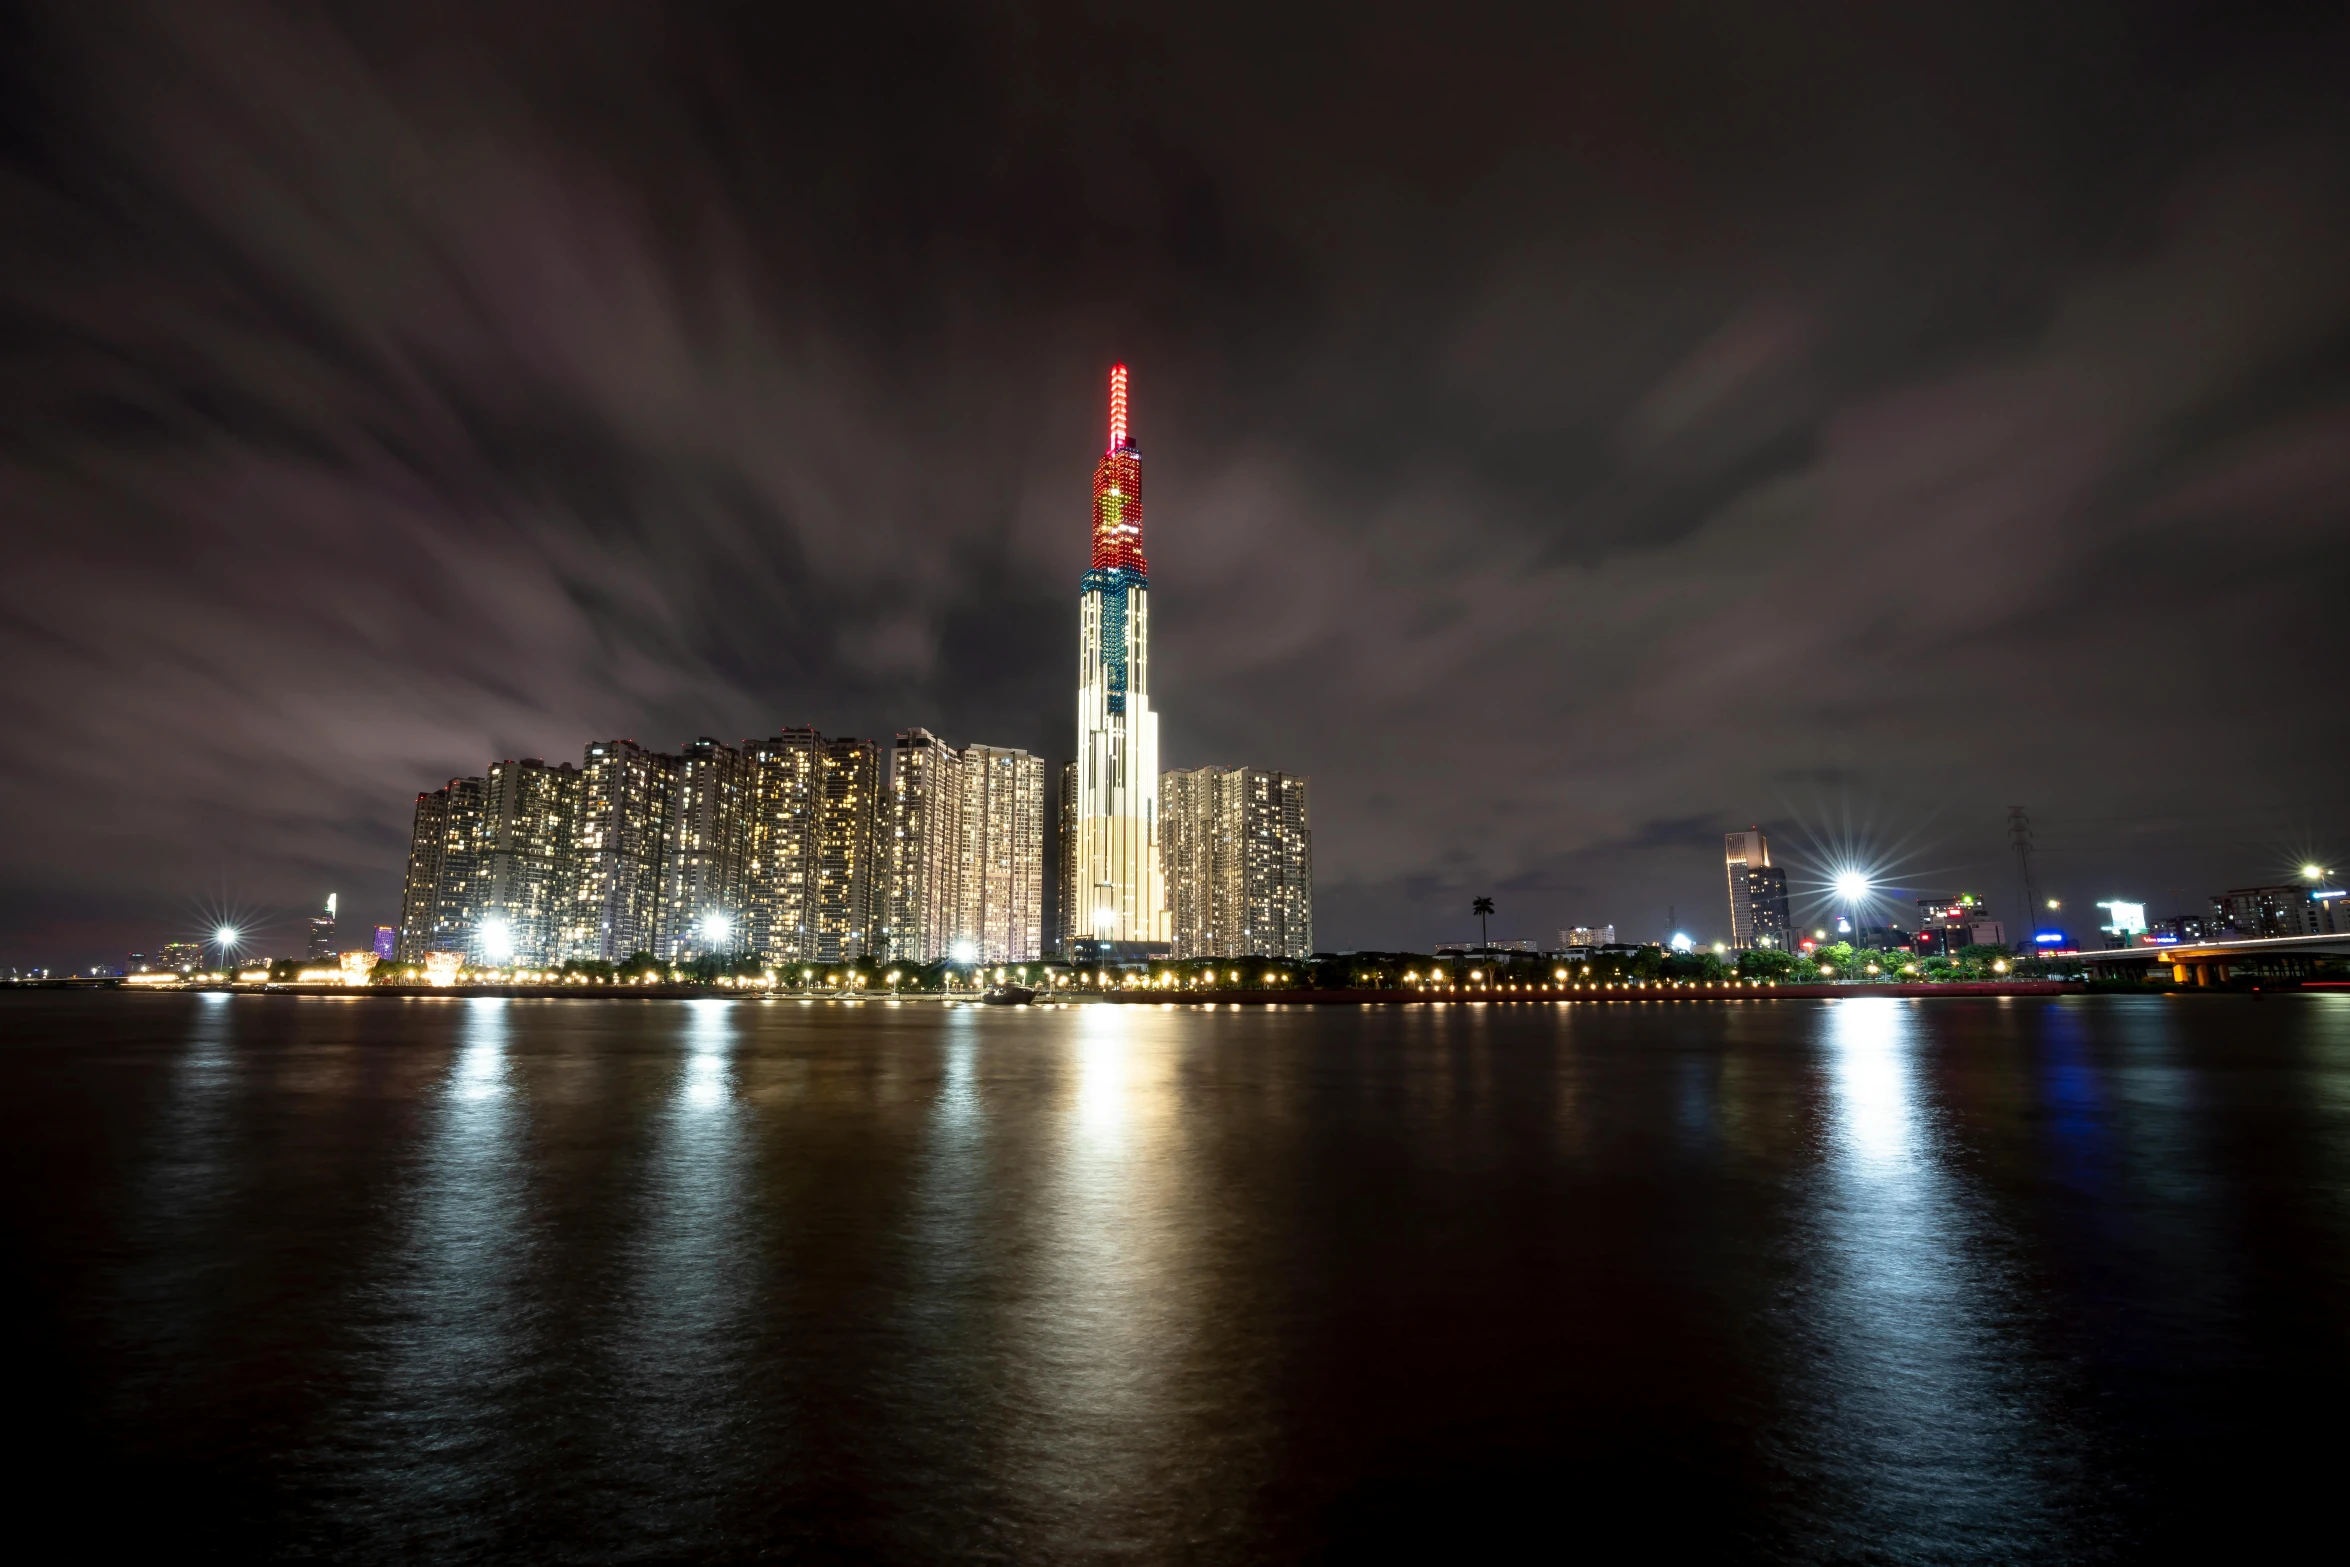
<point>1566,439</point>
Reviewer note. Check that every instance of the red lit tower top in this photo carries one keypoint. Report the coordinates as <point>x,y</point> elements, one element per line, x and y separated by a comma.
<point>1117,492</point>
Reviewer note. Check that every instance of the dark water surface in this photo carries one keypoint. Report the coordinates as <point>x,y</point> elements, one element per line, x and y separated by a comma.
<point>1995,1280</point>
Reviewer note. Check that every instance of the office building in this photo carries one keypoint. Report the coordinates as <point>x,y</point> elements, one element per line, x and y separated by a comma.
<point>1758,892</point>
<point>387,943</point>
<point>180,957</point>
<point>1117,874</point>
<point>1947,924</point>
<point>322,933</point>
<point>1238,862</point>
<point>1588,937</point>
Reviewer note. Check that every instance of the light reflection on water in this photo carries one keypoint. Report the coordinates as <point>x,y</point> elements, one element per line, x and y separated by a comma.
<point>451,1340</point>
<point>1916,1381</point>
<point>1873,1280</point>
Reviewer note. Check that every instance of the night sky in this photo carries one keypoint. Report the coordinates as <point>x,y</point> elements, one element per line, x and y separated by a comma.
<point>1566,436</point>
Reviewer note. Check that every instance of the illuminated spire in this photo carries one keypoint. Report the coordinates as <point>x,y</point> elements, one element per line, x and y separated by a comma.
<point>1117,407</point>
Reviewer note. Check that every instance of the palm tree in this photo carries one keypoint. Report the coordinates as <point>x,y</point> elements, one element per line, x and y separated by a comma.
<point>1483,909</point>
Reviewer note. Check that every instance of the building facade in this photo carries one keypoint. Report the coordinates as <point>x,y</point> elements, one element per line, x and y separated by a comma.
<point>529,811</point>
<point>706,856</point>
<point>966,841</point>
<point>1238,862</point>
<point>1118,889</point>
<point>1758,904</point>
<point>618,843</point>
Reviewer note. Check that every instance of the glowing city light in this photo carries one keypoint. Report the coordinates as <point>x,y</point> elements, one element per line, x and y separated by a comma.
<point>2313,873</point>
<point>965,952</point>
<point>1851,886</point>
<point>497,940</point>
<point>1117,406</point>
<point>716,928</point>
<point>225,938</point>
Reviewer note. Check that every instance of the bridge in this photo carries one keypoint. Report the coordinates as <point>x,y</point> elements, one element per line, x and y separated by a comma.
<point>2208,962</point>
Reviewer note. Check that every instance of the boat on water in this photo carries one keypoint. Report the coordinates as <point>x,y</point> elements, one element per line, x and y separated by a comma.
<point>1008,996</point>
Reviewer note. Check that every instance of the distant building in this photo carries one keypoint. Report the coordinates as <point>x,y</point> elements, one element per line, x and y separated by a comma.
<point>387,942</point>
<point>1473,949</point>
<point>1947,924</point>
<point>1237,850</point>
<point>180,957</point>
<point>1591,937</point>
<point>322,932</point>
<point>1758,891</point>
<point>2281,911</point>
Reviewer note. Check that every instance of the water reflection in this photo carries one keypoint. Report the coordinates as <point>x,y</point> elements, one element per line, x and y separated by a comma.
<point>1915,1387</point>
<point>454,1337</point>
<point>1096,1348</point>
<point>680,1348</point>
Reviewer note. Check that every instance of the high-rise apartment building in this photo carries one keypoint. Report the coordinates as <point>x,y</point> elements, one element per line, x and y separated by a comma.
<point>925,848</point>
<point>529,811</point>
<point>966,841</point>
<point>848,836</point>
<point>1239,862</point>
<point>619,840</point>
<point>706,855</point>
<point>1758,891</point>
<point>2280,911</point>
<point>1588,936</point>
<point>1120,896</point>
<point>787,772</point>
<point>457,895</point>
<point>1066,903</point>
<point>420,890</point>
<point>1002,893</point>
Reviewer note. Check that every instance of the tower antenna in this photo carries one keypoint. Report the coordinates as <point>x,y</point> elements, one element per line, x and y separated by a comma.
<point>1117,407</point>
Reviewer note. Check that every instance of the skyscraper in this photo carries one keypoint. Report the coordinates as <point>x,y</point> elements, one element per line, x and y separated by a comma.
<point>322,932</point>
<point>457,894</point>
<point>1065,900</point>
<point>925,848</point>
<point>787,788</point>
<point>617,846</point>
<point>1758,891</point>
<point>966,852</point>
<point>847,878</point>
<point>1239,862</point>
<point>1118,890</point>
<point>1002,896</point>
<point>420,891</point>
<point>706,861</point>
<point>529,811</point>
